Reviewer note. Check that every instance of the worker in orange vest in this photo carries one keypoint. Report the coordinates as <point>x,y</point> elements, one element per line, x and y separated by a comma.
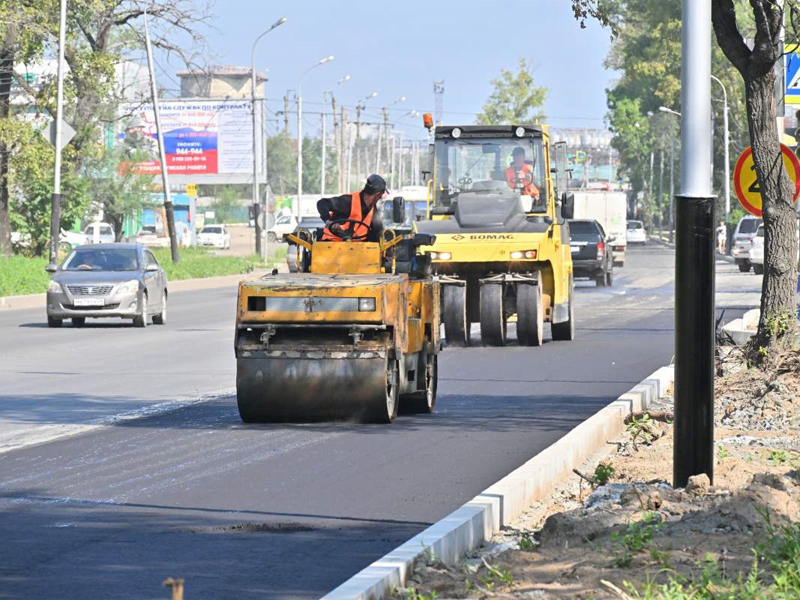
<point>358,209</point>
<point>519,175</point>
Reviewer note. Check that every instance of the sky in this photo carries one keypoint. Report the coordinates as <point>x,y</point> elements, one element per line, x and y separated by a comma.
<point>399,48</point>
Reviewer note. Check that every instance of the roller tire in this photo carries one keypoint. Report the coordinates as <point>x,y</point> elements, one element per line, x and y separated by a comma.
<point>493,321</point>
<point>384,410</point>
<point>456,325</point>
<point>565,331</point>
<point>424,401</point>
<point>530,315</point>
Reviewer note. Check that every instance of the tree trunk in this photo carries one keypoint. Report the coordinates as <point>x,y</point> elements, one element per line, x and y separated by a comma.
<point>6,75</point>
<point>778,292</point>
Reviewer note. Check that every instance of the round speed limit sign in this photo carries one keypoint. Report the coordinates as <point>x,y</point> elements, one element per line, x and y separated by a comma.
<point>748,189</point>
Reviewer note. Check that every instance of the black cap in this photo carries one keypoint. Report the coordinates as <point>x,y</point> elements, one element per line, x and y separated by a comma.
<point>375,184</point>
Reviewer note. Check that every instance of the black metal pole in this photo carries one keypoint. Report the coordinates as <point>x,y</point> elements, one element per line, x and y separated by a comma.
<point>173,238</point>
<point>55,227</point>
<point>693,450</point>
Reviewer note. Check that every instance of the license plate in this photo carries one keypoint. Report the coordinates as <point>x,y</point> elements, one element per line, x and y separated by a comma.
<point>575,248</point>
<point>90,301</point>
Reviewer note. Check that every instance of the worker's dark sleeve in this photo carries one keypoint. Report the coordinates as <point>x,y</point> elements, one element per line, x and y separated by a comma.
<point>337,207</point>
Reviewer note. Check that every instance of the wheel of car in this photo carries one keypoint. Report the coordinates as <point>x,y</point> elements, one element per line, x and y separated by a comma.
<point>161,318</point>
<point>141,319</point>
<point>272,238</point>
<point>78,321</point>
<point>53,322</point>
<point>758,269</point>
<point>600,279</point>
<point>610,278</point>
<point>744,268</point>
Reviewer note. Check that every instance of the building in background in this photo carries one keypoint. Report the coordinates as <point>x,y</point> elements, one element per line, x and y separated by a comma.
<point>221,82</point>
<point>592,159</point>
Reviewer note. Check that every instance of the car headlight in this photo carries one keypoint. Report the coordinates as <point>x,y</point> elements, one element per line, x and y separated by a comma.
<point>128,287</point>
<point>366,304</point>
<point>54,287</point>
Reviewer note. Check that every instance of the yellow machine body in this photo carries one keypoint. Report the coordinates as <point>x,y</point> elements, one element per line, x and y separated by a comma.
<point>489,243</point>
<point>351,338</point>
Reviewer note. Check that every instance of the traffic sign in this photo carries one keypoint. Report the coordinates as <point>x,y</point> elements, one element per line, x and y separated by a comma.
<point>191,190</point>
<point>792,75</point>
<point>748,189</point>
<point>67,133</point>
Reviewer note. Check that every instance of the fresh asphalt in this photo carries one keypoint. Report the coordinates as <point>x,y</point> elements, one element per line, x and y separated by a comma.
<point>272,511</point>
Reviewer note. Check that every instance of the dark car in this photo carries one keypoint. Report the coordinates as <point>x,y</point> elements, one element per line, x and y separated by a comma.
<point>313,224</point>
<point>592,255</point>
<point>107,280</point>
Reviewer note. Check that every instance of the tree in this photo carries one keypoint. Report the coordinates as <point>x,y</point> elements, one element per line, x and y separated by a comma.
<point>757,68</point>
<point>282,157</point>
<point>515,98</point>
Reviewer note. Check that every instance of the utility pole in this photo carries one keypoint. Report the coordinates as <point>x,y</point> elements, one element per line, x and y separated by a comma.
<point>324,143</point>
<point>343,131</point>
<point>162,153</point>
<point>693,450</point>
<point>336,145</point>
<point>55,198</point>
<point>672,187</point>
<point>660,186</point>
<point>378,153</point>
<point>726,142</point>
<point>350,143</point>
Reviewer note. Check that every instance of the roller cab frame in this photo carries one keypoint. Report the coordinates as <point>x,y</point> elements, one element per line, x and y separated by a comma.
<point>500,255</point>
<point>353,335</point>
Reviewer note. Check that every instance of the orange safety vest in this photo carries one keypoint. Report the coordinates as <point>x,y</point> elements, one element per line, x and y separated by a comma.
<point>359,231</point>
<point>528,189</point>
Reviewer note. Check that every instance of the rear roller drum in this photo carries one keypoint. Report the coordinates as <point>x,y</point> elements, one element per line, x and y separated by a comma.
<point>384,409</point>
<point>493,321</point>
<point>456,325</point>
<point>565,331</point>
<point>530,315</point>
<point>424,401</point>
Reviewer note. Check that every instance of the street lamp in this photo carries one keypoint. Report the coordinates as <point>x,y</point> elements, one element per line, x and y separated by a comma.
<point>664,109</point>
<point>727,185</point>
<point>253,84</point>
<point>344,79</point>
<point>300,130</point>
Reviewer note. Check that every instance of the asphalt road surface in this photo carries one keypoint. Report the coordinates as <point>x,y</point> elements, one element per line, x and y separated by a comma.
<point>271,511</point>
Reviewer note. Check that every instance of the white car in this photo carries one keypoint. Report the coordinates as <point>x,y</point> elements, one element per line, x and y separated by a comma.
<point>99,233</point>
<point>215,235</point>
<point>756,253</point>
<point>148,236</point>
<point>283,224</point>
<point>636,234</point>
<point>743,241</point>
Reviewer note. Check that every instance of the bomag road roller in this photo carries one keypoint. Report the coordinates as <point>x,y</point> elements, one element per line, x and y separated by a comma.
<point>501,234</point>
<point>351,335</point>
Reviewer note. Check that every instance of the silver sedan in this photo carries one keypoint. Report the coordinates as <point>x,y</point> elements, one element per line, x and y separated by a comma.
<point>107,280</point>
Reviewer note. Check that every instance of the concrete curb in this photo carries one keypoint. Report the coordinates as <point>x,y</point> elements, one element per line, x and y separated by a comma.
<point>478,520</point>
<point>181,285</point>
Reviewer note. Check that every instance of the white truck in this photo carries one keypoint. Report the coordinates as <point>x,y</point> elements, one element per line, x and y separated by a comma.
<point>610,209</point>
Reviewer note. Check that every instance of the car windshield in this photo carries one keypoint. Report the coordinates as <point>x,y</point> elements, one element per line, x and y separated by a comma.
<point>148,229</point>
<point>634,225</point>
<point>310,224</point>
<point>582,227</point>
<point>749,225</point>
<point>102,259</point>
<point>487,165</point>
<point>211,230</point>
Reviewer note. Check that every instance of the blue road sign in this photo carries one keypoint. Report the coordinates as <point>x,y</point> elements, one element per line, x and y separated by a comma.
<point>792,74</point>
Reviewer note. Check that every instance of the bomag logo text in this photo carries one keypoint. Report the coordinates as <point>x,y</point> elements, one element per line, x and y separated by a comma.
<point>488,236</point>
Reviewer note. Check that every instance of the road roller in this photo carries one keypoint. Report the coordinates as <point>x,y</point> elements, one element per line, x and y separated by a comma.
<point>353,335</point>
<point>501,248</point>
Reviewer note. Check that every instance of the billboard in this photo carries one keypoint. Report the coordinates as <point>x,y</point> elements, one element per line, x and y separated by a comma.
<point>204,137</point>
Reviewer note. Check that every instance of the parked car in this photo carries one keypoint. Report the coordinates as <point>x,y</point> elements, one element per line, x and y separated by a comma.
<point>636,233</point>
<point>107,280</point>
<point>73,239</point>
<point>742,241</point>
<point>592,255</point>
<point>101,233</point>
<point>756,254</point>
<point>148,236</point>
<point>283,224</point>
<point>314,225</point>
<point>215,235</point>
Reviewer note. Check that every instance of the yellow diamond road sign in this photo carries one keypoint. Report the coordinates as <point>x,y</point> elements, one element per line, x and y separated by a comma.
<point>748,189</point>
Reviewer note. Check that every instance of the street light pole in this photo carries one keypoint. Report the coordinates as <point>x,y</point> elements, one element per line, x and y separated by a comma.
<point>324,148</point>
<point>300,132</point>
<point>55,199</point>
<point>671,173</point>
<point>385,132</point>
<point>727,167</point>
<point>256,202</point>
<point>693,449</point>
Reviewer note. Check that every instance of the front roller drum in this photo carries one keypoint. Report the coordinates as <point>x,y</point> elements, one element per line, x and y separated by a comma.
<point>282,389</point>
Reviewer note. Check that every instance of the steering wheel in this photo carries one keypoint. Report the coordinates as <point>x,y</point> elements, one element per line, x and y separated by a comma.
<point>347,235</point>
<point>465,181</point>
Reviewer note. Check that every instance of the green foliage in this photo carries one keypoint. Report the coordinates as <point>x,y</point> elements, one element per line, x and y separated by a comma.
<point>312,167</point>
<point>603,473</point>
<point>225,204</point>
<point>526,542</point>
<point>495,576</point>
<point>22,275</point>
<point>723,453</point>
<point>634,539</point>
<point>640,428</point>
<point>282,157</point>
<point>515,99</point>
<point>199,262</point>
<point>779,457</point>
<point>413,594</point>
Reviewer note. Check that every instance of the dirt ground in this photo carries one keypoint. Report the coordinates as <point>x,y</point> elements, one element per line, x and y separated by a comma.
<point>610,541</point>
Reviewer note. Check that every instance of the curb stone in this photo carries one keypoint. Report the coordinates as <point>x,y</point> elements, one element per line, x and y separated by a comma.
<point>478,520</point>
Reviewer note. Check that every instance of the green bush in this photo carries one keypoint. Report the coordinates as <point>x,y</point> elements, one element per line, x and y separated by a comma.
<point>22,275</point>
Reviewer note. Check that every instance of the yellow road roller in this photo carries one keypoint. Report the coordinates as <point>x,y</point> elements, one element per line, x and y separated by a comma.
<point>353,335</point>
<point>502,247</point>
